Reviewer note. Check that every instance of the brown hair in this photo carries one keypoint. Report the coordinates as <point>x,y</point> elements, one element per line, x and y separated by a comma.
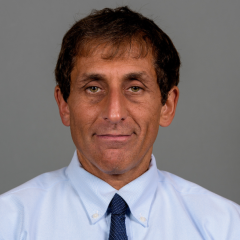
<point>117,29</point>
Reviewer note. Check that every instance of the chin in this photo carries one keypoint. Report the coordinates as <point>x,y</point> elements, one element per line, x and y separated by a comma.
<point>114,162</point>
<point>114,170</point>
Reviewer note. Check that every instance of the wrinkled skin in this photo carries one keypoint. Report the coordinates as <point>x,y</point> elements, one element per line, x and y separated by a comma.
<point>114,111</point>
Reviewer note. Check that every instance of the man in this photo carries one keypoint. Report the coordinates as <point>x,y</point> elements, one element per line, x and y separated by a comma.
<point>117,77</point>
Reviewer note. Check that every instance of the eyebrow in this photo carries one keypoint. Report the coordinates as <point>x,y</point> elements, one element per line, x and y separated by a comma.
<point>86,77</point>
<point>142,76</point>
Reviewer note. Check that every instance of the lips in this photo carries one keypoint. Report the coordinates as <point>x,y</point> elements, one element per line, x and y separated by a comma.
<point>114,137</point>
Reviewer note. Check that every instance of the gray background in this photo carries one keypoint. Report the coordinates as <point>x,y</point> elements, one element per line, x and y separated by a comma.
<point>201,145</point>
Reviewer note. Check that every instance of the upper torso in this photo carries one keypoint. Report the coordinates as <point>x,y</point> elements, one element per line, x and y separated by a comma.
<point>59,205</point>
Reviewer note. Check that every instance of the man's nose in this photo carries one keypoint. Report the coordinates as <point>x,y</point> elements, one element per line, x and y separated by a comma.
<point>115,110</point>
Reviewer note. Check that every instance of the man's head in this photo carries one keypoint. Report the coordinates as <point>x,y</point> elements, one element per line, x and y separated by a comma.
<point>117,30</point>
<point>117,74</point>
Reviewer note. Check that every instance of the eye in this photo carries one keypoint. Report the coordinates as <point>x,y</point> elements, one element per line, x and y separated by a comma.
<point>135,89</point>
<point>93,89</point>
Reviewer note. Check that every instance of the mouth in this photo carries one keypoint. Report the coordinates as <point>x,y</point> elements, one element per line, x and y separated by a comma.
<point>114,138</point>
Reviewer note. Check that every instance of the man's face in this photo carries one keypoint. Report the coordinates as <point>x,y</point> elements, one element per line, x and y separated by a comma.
<point>114,111</point>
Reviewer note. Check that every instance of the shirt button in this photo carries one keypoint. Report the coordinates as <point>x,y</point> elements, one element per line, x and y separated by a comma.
<point>95,215</point>
<point>142,219</point>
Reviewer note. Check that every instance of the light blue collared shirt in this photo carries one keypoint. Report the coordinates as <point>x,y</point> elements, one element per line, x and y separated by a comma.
<point>72,204</point>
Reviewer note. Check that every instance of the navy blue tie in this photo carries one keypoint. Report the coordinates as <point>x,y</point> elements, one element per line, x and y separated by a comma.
<point>118,208</point>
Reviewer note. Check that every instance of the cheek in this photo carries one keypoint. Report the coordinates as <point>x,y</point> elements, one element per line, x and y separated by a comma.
<point>82,117</point>
<point>147,112</point>
<point>147,116</point>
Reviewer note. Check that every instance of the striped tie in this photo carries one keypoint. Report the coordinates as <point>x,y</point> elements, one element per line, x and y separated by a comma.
<point>118,209</point>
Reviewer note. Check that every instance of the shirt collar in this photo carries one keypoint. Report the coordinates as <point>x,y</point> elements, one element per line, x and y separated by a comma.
<point>96,194</point>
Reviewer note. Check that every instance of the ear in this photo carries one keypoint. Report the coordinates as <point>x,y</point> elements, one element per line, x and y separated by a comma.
<point>62,106</point>
<point>169,108</point>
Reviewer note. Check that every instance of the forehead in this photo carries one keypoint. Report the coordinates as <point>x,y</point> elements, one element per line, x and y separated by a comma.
<point>136,46</point>
<point>106,61</point>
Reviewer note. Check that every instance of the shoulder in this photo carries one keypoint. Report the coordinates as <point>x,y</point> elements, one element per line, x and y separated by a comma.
<point>193,193</point>
<point>207,210</point>
<point>17,204</point>
<point>41,183</point>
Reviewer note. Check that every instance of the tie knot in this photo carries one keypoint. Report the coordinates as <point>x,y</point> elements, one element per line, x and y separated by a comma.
<point>118,205</point>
